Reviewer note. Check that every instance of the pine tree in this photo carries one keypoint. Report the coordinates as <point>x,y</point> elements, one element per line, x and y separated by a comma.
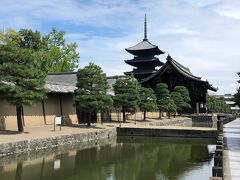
<point>147,100</point>
<point>178,100</point>
<point>91,93</point>
<point>21,78</point>
<point>163,95</point>
<point>216,105</point>
<point>126,94</point>
<point>171,107</point>
<point>237,95</point>
<point>185,96</point>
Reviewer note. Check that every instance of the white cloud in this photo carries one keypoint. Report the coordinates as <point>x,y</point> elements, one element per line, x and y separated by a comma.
<point>228,9</point>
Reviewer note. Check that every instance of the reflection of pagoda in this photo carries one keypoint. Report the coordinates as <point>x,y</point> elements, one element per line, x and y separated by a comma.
<point>145,59</point>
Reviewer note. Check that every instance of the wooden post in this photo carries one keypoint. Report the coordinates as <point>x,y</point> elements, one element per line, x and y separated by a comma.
<point>54,125</point>
<point>44,113</point>
<point>197,108</point>
<point>135,117</point>
<point>61,111</point>
<point>110,115</point>
<point>60,102</point>
<point>118,115</point>
<point>23,117</point>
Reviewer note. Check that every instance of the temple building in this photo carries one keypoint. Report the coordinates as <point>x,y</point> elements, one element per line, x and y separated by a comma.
<point>171,72</point>
<point>145,58</point>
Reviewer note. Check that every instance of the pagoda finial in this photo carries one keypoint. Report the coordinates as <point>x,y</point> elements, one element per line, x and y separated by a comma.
<point>169,58</point>
<point>145,28</point>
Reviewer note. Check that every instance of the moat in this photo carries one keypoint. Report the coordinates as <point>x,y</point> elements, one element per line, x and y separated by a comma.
<point>127,158</point>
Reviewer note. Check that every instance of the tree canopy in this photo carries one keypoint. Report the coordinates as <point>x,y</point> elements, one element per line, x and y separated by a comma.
<point>237,95</point>
<point>185,96</point>
<point>163,96</point>
<point>147,100</point>
<point>21,77</point>
<point>171,107</point>
<point>126,94</point>
<point>178,100</point>
<point>91,93</point>
<point>63,56</point>
<point>216,105</point>
<point>57,54</point>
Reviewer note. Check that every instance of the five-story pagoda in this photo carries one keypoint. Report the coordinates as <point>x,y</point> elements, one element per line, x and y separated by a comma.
<point>145,60</point>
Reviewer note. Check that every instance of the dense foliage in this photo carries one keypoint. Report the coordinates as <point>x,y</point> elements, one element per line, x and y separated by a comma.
<point>91,93</point>
<point>21,77</point>
<point>126,94</point>
<point>59,55</point>
<point>164,101</point>
<point>215,105</point>
<point>185,96</point>
<point>147,100</point>
<point>171,107</point>
<point>62,56</point>
<point>237,95</point>
<point>178,100</point>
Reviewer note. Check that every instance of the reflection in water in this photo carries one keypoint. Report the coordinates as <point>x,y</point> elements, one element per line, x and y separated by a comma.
<point>128,159</point>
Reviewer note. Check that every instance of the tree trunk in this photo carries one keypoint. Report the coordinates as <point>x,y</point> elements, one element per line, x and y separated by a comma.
<point>144,115</point>
<point>124,114</point>
<point>160,115</point>
<point>89,119</point>
<point>19,118</point>
<point>169,115</point>
<point>102,116</point>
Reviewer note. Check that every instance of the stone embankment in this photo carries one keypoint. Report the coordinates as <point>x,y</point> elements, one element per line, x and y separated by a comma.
<point>186,132</point>
<point>220,169</point>
<point>49,142</point>
<point>45,139</point>
<point>173,122</point>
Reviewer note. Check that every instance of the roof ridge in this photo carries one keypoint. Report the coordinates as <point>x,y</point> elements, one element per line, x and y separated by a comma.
<point>60,73</point>
<point>58,83</point>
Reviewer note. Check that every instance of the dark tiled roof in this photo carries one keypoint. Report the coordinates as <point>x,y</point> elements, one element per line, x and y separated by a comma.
<point>144,45</point>
<point>67,78</point>
<point>181,69</point>
<point>184,71</point>
<point>65,82</point>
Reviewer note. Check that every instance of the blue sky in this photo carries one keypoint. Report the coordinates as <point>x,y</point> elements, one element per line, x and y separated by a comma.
<point>203,35</point>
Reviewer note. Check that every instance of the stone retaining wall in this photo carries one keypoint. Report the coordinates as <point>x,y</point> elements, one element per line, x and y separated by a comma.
<point>45,143</point>
<point>172,122</point>
<point>228,119</point>
<point>192,133</point>
<point>204,118</point>
<point>56,150</point>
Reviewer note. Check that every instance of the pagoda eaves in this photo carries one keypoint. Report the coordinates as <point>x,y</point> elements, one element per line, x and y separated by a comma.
<point>145,59</point>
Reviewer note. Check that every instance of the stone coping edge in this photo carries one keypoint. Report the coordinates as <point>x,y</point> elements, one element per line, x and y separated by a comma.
<point>50,142</point>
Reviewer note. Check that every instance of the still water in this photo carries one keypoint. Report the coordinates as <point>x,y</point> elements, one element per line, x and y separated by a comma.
<point>125,158</point>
